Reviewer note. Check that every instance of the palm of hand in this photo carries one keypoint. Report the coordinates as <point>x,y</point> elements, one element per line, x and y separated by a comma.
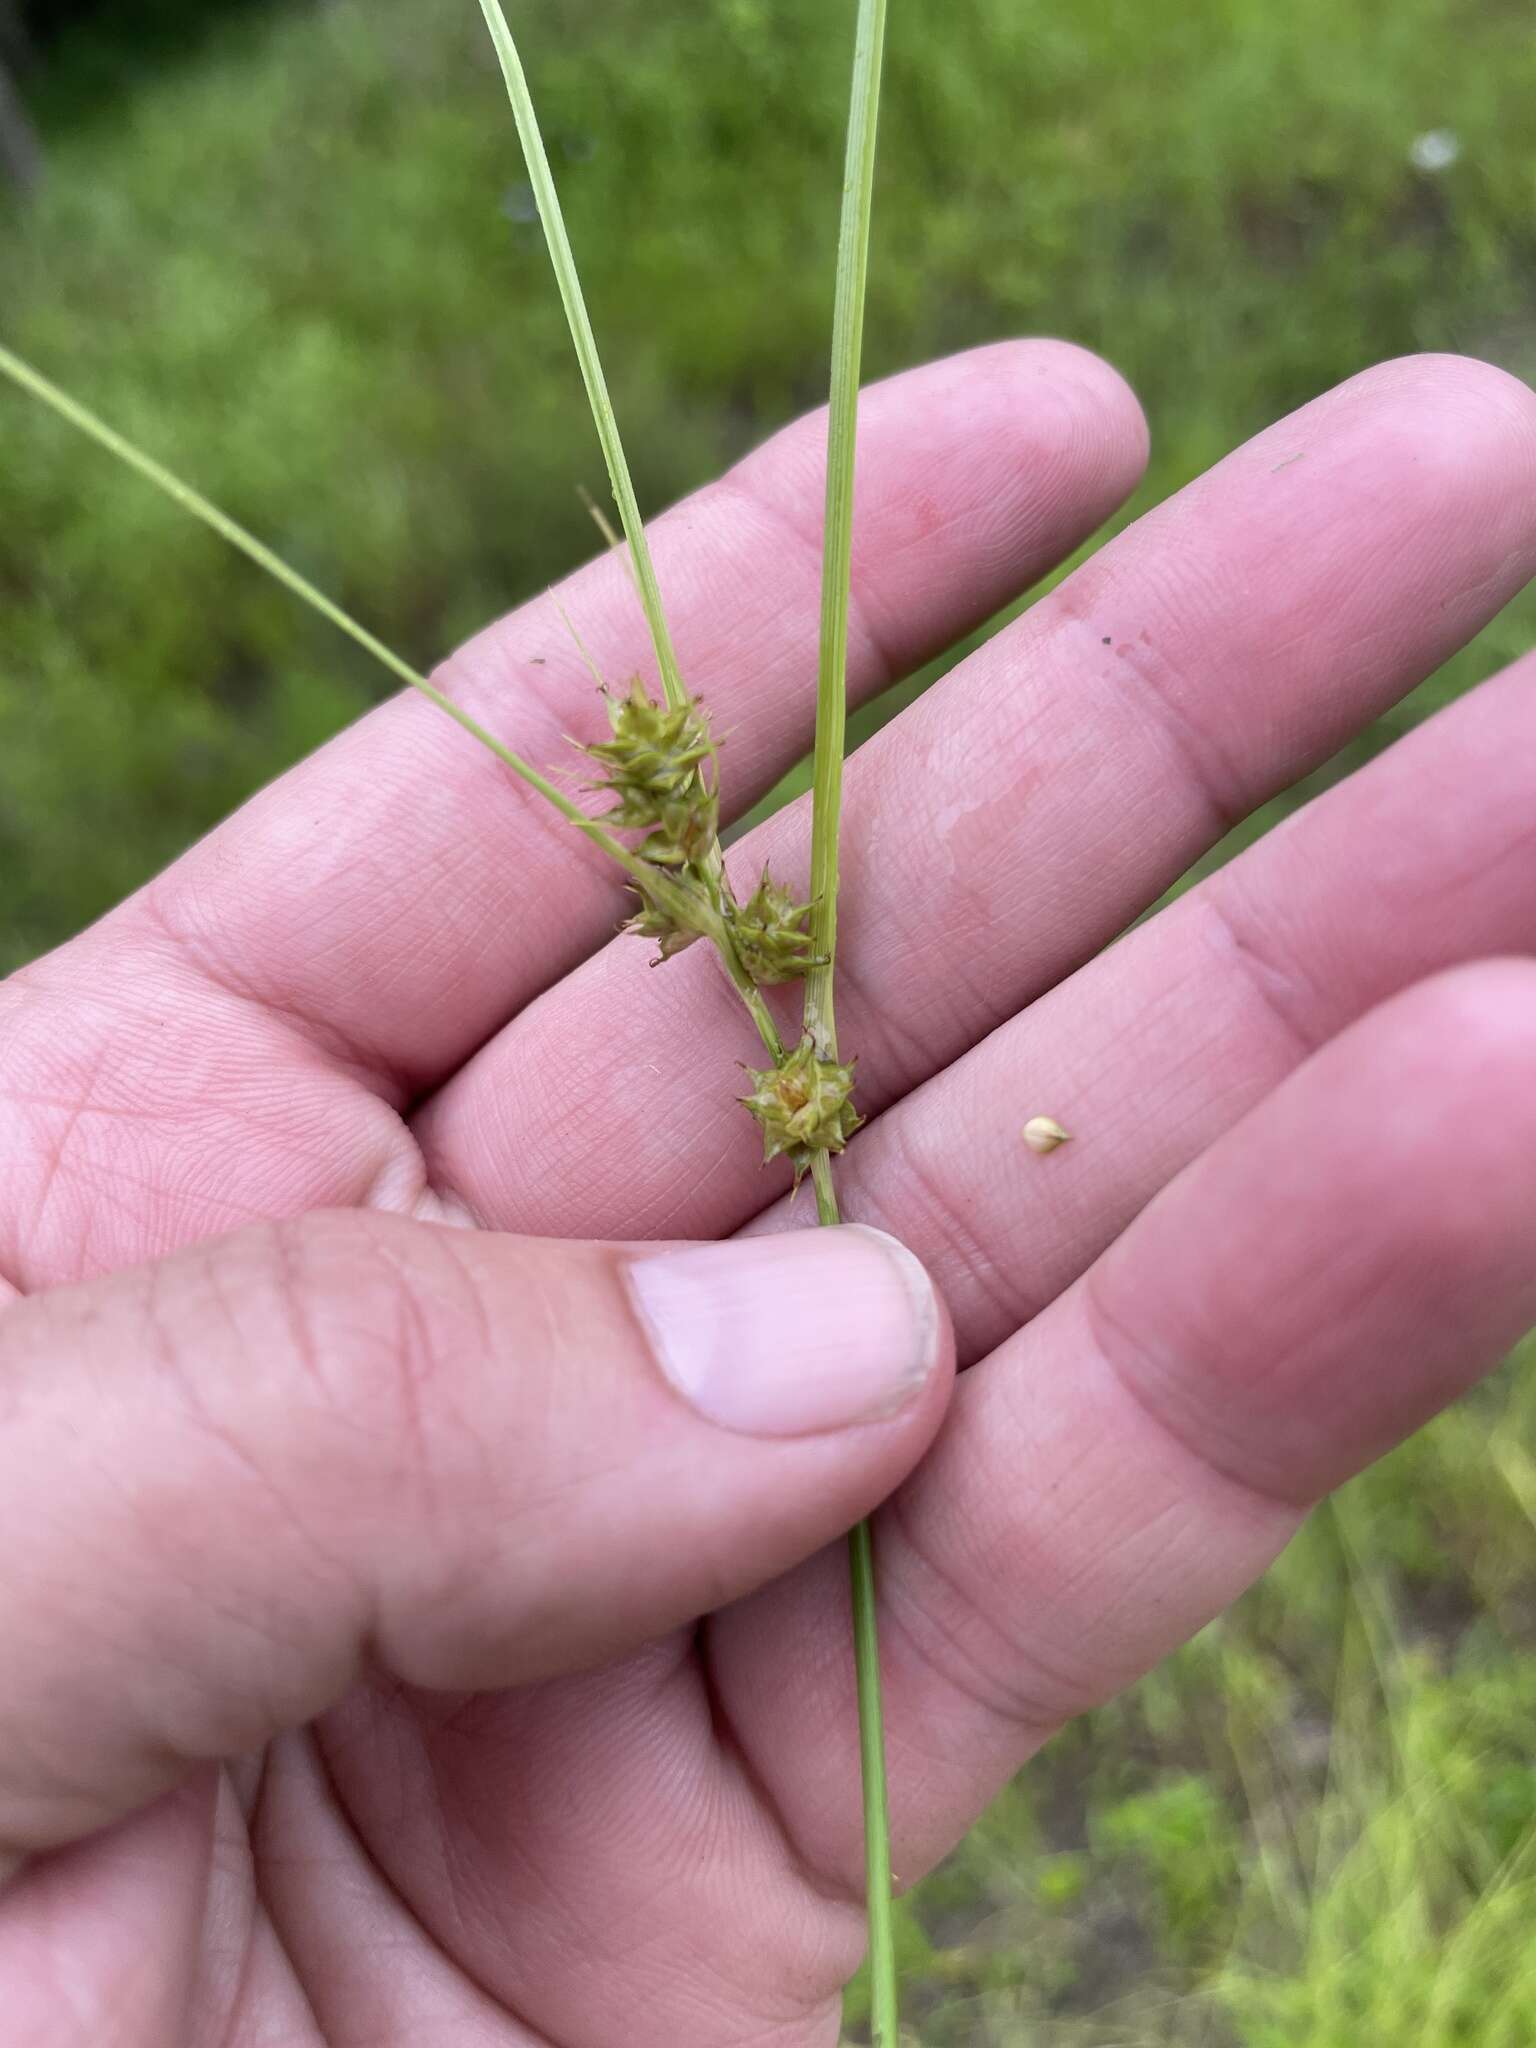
<point>385,986</point>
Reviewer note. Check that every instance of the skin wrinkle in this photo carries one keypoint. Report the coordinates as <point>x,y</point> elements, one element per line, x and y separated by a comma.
<point>922,1626</point>
<point>581,867</point>
<point>224,1953</point>
<point>691,1173</point>
<point>339,1054</point>
<point>55,1149</point>
<point>421,1375</point>
<point>944,1220</point>
<point>1120,1345</point>
<point>148,1662</point>
<point>34,1767</point>
<point>840,1890</point>
<point>1036,1715</point>
<point>285,1294</point>
<point>608,1114</point>
<point>184,1382</point>
<point>246,1991</point>
<point>1040,1537</point>
<point>1273,987</point>
<point>470,1896</point>
<point>527,1508</point>
<point>290,1297</point>
<point>407,1363</point>
<point>733,1784</point>
<point>418,1930</point>
<point>108,1178</point>
<point>1214,781</point>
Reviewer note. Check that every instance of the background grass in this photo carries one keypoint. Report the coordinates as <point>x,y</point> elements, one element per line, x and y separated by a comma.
<point>291,251</point>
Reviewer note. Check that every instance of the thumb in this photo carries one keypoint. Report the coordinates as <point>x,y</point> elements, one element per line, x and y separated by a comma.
<point>229,1480</point>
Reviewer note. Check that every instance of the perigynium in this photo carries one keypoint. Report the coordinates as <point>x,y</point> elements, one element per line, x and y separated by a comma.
<point>660,766</point>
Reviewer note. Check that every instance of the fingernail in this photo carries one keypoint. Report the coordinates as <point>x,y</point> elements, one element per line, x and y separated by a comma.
<point>790,1335</point>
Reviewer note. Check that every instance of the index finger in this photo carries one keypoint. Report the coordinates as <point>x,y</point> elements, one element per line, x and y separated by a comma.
<point>398,895</point>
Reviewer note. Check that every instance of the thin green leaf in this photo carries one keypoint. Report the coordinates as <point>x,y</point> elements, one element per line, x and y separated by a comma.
<point>826,819</point>
<point>201,508</point>
<point>837,539</point>
<point>548,201</point>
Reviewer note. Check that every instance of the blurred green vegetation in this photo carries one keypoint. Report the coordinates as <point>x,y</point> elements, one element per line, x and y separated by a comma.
<point>289,250</point>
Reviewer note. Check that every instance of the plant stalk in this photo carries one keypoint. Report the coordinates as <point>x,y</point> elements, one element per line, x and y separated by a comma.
<point>547,199</point>
<point>826,816</point>
<point>837,544</point>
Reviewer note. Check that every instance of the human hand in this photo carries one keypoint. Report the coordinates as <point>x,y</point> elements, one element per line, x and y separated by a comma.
<point>355,1686</point>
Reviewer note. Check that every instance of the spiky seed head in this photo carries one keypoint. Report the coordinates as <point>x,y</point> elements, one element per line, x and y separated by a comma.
<point>772,942</point>
<point>671,938</point>
<point>685,915</point>
<point>804,1106</point>
<point>653,764</point>
<point>680,829</point>
<point>654,750</point>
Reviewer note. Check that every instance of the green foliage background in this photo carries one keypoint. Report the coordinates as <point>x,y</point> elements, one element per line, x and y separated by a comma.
<point>290,250</point>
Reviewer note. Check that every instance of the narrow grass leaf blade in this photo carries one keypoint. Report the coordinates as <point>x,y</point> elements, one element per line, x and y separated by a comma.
<point>837,542</point>
<point>192,501</point>
<point>826,819</point>
<point>547,200</point>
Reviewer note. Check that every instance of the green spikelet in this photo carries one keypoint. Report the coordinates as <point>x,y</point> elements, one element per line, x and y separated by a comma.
<point>770,935</point>
<point>804,1106</point>
<point>654,765</point>
<point>670,925</point>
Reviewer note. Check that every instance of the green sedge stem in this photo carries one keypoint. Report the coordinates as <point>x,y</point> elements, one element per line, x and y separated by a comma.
<point>871,1710</point>
<point>548,201</point>
<point>826,814</point>
<point>228,529</point>
<point>877,1819</point>
<point>837,543</point>
<point>749,992</point>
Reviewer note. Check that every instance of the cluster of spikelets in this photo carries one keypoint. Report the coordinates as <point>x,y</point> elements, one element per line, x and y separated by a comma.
<point>660,766</point>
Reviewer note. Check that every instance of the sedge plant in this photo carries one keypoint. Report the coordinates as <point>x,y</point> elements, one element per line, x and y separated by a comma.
<point>660,766</point>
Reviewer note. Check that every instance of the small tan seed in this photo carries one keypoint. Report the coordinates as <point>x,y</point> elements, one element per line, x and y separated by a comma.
<point>1044,1134</point>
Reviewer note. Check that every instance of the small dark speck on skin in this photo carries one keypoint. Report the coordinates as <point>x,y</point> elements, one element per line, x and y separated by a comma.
<point>537,660</point>
<point>1107,638</point>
